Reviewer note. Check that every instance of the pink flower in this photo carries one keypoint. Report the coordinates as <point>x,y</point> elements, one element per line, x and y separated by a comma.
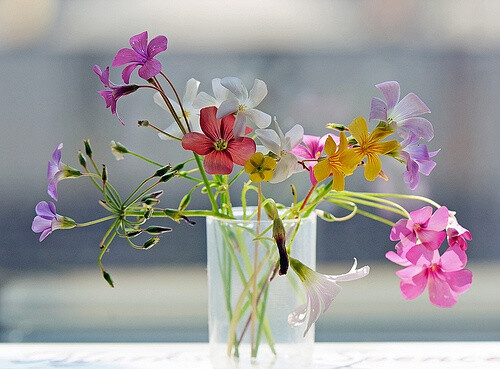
<point>217,143</point>
<point>457,235</point>
<point>57,171</point>
<point>444,276</point>
<point>141,54</point>
<point>311,149</point>
<point>47,220</point>
<point>423,228</point>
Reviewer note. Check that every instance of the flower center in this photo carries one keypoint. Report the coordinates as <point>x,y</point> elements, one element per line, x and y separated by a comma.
<point>220,145</point>
<point>242,107</point>
<point>417,227</point>
<point>434,267</point>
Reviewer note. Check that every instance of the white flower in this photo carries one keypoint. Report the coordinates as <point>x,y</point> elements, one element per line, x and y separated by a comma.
<point>242,103</point>
<point>220,92</point>
<point>321,289</point>
<point>192,113</point>
<point>281,145</point>
<point>117,149</point>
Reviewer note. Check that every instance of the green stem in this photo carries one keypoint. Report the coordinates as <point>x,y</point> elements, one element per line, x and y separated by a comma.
<point>145,159</point>
<point>408,197</point>
<point>346,205</point>
<point>211,197</point>
<point>92,222</point>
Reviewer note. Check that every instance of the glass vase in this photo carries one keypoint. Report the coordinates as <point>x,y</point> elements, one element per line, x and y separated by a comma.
<point>249,302</point>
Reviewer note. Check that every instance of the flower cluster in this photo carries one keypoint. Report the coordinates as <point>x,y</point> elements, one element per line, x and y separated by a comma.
<point>227,130</point>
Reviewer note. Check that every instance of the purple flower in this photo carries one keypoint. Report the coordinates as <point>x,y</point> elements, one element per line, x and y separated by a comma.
<point>47,220</point>
<point>112,95</point>
<point>418,160</point>
<point>141,54</point>
<point>57,171</point>
<point>404,114</point>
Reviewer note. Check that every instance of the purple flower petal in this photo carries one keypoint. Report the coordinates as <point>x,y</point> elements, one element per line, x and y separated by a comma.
<point>378,110</point>
<point>150,69</point>
<point>127,71</point>
<point>139,43</point>
<point>391,91</point>
<point>157,45</point>
<point>409,106</point>
<point>125,56</point>
<point>421,127</point>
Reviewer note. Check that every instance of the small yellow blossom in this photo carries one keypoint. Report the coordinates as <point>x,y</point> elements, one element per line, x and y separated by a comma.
<point>335,164</point>
<point>260,167</point>
<point>370,147</point>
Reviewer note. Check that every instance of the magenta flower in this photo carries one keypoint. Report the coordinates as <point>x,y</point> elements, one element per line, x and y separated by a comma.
<point>311,149</point>
<point>47,220</point>
<point>141,54</point>
<point>457,235</point>
<point>444,275</point>
<point>404,114</point>
<point>217,143</point>
<point>423,228</point>
<point>418,160</point>
<point>57,171</point>
<point>112,95</point>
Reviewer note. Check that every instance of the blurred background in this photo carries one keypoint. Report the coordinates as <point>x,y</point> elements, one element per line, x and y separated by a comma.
<point>320,60</point>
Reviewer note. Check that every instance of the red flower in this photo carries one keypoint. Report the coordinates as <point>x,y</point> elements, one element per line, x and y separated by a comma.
<point>217,143</point>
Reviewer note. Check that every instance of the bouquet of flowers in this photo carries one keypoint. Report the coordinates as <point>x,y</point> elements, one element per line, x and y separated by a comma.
<point>227,137</point>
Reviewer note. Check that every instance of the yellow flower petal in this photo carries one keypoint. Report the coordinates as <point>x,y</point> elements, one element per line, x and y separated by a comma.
<point>338,180</point>
<point>373,167</point>
<point>256,177</point>
<point>330,146</point>
<point>322,170</point>
<point>385,147</point>
<point>269,163</point>
<point>359,129</point>
<point>268,175</point>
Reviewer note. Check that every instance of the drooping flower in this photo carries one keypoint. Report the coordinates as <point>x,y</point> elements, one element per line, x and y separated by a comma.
<point>457,235</point>
<point>260,167</point>
<point>243,104</point>
<point>114,93</point>
<point>444,276</point>
<point>321,289</point>
<point>117,149</point>
<point>141,54</point>
<point>282,145</point>
<point>336,164</point>
<point>418,160</point>
<point>47,220</point>
<point>57,171</point>
<point>310,150</point>
<point>369,146</point>
<point>404,114</point>
<point>204,100</point>
<point>191,113</point>
<point>423,232</point>
<point>218,144</point>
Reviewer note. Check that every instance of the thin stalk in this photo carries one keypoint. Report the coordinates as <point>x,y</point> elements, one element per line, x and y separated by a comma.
<point>408,197</point>
<point>92,222</point>
<point>177,97</point>
<point>145,159</point>
<point>346,205</point>
<point>211,197</point>
<point>255,263</point>
<point>373,205</point>
<point>311,190</point>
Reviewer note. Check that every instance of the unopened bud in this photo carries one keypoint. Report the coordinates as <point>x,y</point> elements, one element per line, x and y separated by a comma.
<point>167,177</point>
<point>153,195</point>
<point>338,127</point>
<point>150,201</point>
<point>279,235</point>
<point>156,230</point>
<point>88,148</point>
<point>108,279</point>
<point>117,149</point>
<point>133,234</point>
<point>178,167</point>
<point>270,209</point>
<point>82,160</point>
<point>104,174</point>
<point>151,242</point>
<point>184,202</point>
<point>143,123</point>
<point>162,171</point>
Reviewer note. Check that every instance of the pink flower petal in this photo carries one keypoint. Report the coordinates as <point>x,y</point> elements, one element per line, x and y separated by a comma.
<point>125,56</point>
<point>209,124</point>
<point>391,91</point>
<point>421,216</point>
<point>395,258</point>
<point>460,280</point>
<point>421,256</point>
<point>197,142</point>
<point>440,293</point>
<point>453,259</point>
<point>241,150</point>
<point>150,69</point>
<point>431,239</point>
<point>127,71</point>
<point>412,288</point>
<point>218,162</point>
<point>157,45</point>
<point>400,230</point>
<point>439,220</point>
<point>140,43</point>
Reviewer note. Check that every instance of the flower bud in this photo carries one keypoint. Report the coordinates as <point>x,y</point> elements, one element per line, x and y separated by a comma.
<point>184,202</point>
<point>133,234</point>
<point>117,149</point>
<point>178,167</point>
<point>143,123</point>
<point>104,174</point>
<point>156,230</point>
<point>150,201</point>
<point>167,177</point>
<point>108,279</point>
<point>82,160</point>
<point>152,195</point>
<point>151,242</point>
<point>279,235</point>
<point>270,209</point>
<point>162,171</point>
<point>88,148</point>
<point>338,127</point>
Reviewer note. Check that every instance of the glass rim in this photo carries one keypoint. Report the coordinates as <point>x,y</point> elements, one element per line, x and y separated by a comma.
<point>239,210</point>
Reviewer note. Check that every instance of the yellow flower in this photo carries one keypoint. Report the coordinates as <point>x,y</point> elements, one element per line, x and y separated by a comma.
<point>260,167</point>
<point>370,147</point>
<point>335,163</point>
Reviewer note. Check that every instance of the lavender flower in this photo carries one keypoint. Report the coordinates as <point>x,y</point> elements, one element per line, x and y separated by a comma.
<point>57,171</point>
<point>47,220</point>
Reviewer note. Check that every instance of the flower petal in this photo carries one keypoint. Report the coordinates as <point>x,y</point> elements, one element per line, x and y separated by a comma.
<point>40,224</point>
<point>284,168</point>
<point>352,274</point>
<point>218,162</point>
<point>412,288</point>
<point>139,43</point>
<point>203,100</point>
<point>359,129</point>
<point>395,258</point>
<point>419,126</point>
<point>127,71</point>
<point>378,110</point>
<point>453,259</point>
<point>125,56</point>
<point>294,136</point>
<point>236,86</point>
<point>229,106</point>
<point>241,150</point>
<point>240,125</point>
<point>421,216</point>
<point>259,118</point>
<point>373,167</point>
<point>269,139</point>
<point>172,130</point>
<point>432,240</point>
<point>322,170</point>
<point>220,92</point>
<point>409,106</point>
<point>209,123</point>
<point>191,91</point>
<point>459,281</point>
<point>440,292</point>
<point>298,315</point>
<point>157,45</point>
<point>391,91</point>
<point>257,93</point>
<point>150,69</point>
<point>439,220</point>
<point>197,142</point>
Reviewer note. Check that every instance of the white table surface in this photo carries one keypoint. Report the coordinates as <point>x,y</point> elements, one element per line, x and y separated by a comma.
<point>422,355</point>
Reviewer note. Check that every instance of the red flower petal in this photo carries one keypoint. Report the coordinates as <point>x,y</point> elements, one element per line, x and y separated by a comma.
<point>218,162</point>
<point>209,124</point>
<point>241,150</point>
<point>197,142</point>
<point>226,128</point>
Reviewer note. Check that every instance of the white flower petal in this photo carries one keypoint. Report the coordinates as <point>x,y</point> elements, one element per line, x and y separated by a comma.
<point>279,131</point>
<point>269,139</point>
<point>257,93</point>
<point>298,315</point>
<point>236,86</point>
<point>158,99</point>
<point>259,118</point>
<point>220,92</point>
<point>352,274</point>
<point>194,122</point>
<point>295,136</point>
<point>240,125</point>
<point>284,168</point>
<point>191,91</point>
<point>227,107</point>
<point>203,100</point>
<point>173,130</point>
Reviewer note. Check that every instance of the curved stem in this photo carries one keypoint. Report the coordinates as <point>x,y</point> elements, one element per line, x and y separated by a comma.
<point>178,99</point>
<point>211,197</point>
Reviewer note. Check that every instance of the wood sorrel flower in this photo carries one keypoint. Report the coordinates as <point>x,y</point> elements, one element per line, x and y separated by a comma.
<point>47,220</point>
<point>321,289</point>
<point>404,114</point>
<point>204,100</point>
<point>243,104</point>
<point>369,146</point>
<point>456,234</point>
<point>260,167</point>
<point>114,93</point>
<point>141,54</point>
<point>444,275</point>
<point>218,144</point>
<point>57,171</point>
